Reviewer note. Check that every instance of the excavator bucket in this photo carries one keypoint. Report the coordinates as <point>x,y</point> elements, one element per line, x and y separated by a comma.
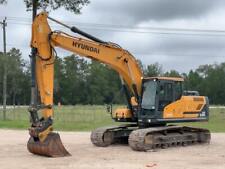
<point>51,147</point>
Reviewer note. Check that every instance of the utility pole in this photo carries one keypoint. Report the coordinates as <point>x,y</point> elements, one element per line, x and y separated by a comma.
<point>33,104</point>
<point>5,69</point>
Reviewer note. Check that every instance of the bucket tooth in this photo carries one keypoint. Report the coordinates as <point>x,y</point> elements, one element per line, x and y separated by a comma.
<point>51,147</point>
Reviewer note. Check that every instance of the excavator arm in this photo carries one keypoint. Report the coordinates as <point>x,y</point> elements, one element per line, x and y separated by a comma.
<point>45,40</point>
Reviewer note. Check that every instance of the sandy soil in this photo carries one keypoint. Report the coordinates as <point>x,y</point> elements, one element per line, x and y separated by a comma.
<point>13,154</point>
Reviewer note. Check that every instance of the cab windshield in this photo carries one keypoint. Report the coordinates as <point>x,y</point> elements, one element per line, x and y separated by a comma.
<point>149,94</point>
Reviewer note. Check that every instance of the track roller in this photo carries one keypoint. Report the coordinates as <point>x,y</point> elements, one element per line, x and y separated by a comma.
<point>169,136</point>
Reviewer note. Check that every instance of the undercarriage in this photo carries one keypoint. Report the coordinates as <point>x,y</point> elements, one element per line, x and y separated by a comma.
<point>150,138</point>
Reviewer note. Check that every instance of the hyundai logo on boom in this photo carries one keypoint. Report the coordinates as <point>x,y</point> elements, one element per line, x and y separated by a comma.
<point>86,47</point>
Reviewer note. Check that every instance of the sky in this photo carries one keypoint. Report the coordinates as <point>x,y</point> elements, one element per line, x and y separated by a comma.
<point>178,34</point>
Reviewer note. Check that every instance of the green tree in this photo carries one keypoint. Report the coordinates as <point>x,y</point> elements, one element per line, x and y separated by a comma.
<point>172,73</point>
<point>74,6</point>
<point>72,80</point>
<point>18,77</point>
<point>193,81</point>
<point>203,70</point>
<point>24,96</point>
<point>153,70</point>
<point>103,84</point>
<point>78,81</point>
<point>214,84</point>
<point>71,5</point>
<point>14,72</point>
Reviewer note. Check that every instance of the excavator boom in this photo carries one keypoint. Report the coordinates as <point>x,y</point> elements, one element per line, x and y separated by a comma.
<point>111,54</point>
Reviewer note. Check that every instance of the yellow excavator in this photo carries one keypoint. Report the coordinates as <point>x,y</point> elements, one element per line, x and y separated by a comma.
<point>153,103</point>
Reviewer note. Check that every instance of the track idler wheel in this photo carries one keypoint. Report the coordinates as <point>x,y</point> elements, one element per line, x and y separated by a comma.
<point>51,147</point>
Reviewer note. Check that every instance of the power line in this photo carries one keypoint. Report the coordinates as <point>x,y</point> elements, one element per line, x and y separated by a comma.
<point>127,26</point>
<point>131,29</point>
<point>105,27</point>
<point>140,32</point>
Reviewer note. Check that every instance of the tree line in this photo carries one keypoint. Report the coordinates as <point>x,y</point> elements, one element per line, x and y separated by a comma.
<point>82,81</point>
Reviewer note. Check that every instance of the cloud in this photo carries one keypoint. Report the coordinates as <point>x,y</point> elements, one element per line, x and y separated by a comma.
<point>172,51</point>
<point>133,11</point>
<point>193,45</point>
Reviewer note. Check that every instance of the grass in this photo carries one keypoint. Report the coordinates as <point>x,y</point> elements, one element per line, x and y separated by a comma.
<point>216,121</point>
<point>68,118</point>
<point>86,118</point>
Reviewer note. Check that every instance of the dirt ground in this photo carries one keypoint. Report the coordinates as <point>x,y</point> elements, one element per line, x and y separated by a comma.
<point>13,154</point>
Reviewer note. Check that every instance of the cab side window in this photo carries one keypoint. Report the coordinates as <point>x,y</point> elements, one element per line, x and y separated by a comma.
<point>178,90</point>
<point>165,95</point>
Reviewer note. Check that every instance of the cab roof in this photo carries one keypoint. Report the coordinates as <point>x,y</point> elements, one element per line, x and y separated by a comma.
<point>177,79</point>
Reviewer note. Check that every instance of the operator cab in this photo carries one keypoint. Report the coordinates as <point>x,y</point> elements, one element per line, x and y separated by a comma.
<point>157,93</point>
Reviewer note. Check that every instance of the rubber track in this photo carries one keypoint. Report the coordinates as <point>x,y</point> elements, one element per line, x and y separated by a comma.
<point>103,137</point>
<point>97,136</point>
<point>145,139</point>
